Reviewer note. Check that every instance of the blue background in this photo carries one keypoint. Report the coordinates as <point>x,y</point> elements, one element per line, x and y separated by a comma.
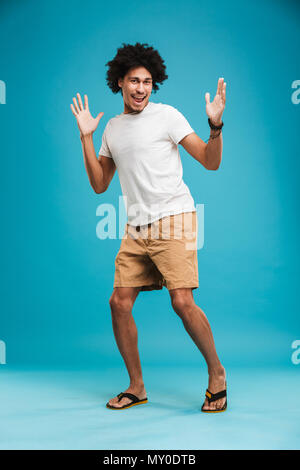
<point>57,275</point>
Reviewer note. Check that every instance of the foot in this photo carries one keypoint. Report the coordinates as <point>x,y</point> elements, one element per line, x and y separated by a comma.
<point>216,383</point>
<point>140,392</point>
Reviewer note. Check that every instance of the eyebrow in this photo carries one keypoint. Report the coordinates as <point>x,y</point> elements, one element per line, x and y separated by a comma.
<point>139,78</point>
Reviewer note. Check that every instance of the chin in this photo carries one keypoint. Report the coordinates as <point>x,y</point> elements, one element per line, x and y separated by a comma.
<point>136,108</point>
<point>144,104</point>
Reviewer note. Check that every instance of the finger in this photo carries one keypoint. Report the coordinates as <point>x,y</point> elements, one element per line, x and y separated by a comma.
<point>220,84</point>
<point>86,102</point>
<point>80,102</point>
<point>207,97</point>
<point>76,105</point>
<point>223,93</point>
<point>99,117</point>
<point>73,110</point>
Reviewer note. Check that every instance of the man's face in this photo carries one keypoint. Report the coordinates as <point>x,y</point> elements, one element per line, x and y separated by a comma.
<point>137,83</point>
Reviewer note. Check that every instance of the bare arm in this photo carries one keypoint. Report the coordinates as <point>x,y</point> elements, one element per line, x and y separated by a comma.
<point>210,154</point>
<point>100,171</point>
<point>213,151</point>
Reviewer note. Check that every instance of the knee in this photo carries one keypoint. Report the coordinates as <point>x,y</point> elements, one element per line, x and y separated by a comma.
<point>182,304</point>
<point>120,304</point>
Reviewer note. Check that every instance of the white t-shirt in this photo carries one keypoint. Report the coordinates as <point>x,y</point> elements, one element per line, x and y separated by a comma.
<point>144,147</point>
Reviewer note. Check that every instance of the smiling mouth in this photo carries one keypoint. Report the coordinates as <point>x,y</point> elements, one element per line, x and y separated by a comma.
<point>138,100</point>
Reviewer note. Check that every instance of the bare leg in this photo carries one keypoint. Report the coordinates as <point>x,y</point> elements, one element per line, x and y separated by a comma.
<point>197,326</point>
<point>125,331</point>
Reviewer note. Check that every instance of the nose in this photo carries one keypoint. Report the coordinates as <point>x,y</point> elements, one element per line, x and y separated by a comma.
<point>140,88</point>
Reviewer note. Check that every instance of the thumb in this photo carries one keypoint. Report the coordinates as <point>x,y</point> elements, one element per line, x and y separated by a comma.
<point>99,117</point>
<point>207,98</point>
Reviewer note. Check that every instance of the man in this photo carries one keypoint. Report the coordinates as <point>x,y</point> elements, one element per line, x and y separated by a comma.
<point>142,144</point>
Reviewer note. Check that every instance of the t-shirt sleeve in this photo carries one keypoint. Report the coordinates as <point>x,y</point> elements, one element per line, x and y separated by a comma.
<point>178,126</point>
<point>104,149</point>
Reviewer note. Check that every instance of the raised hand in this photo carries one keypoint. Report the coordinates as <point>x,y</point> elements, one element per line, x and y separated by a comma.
<point>214,110</point>
<point>86,123</point>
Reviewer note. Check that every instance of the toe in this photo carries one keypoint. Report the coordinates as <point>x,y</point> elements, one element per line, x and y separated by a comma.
<point>213,406</point>
<point>206,405</point>
<point>119,404</point>
<point>220,404</point>
<point>124,401</point>
<point>113,401</point>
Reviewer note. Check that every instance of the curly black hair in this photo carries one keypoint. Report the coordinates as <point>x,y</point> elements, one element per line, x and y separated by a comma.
<point>130,56</point>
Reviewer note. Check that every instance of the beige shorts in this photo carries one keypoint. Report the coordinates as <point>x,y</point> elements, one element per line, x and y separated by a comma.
<point>162,253</point>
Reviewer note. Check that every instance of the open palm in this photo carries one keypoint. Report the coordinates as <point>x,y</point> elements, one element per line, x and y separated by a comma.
<point>214,110</point>
<point>86,123</point>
